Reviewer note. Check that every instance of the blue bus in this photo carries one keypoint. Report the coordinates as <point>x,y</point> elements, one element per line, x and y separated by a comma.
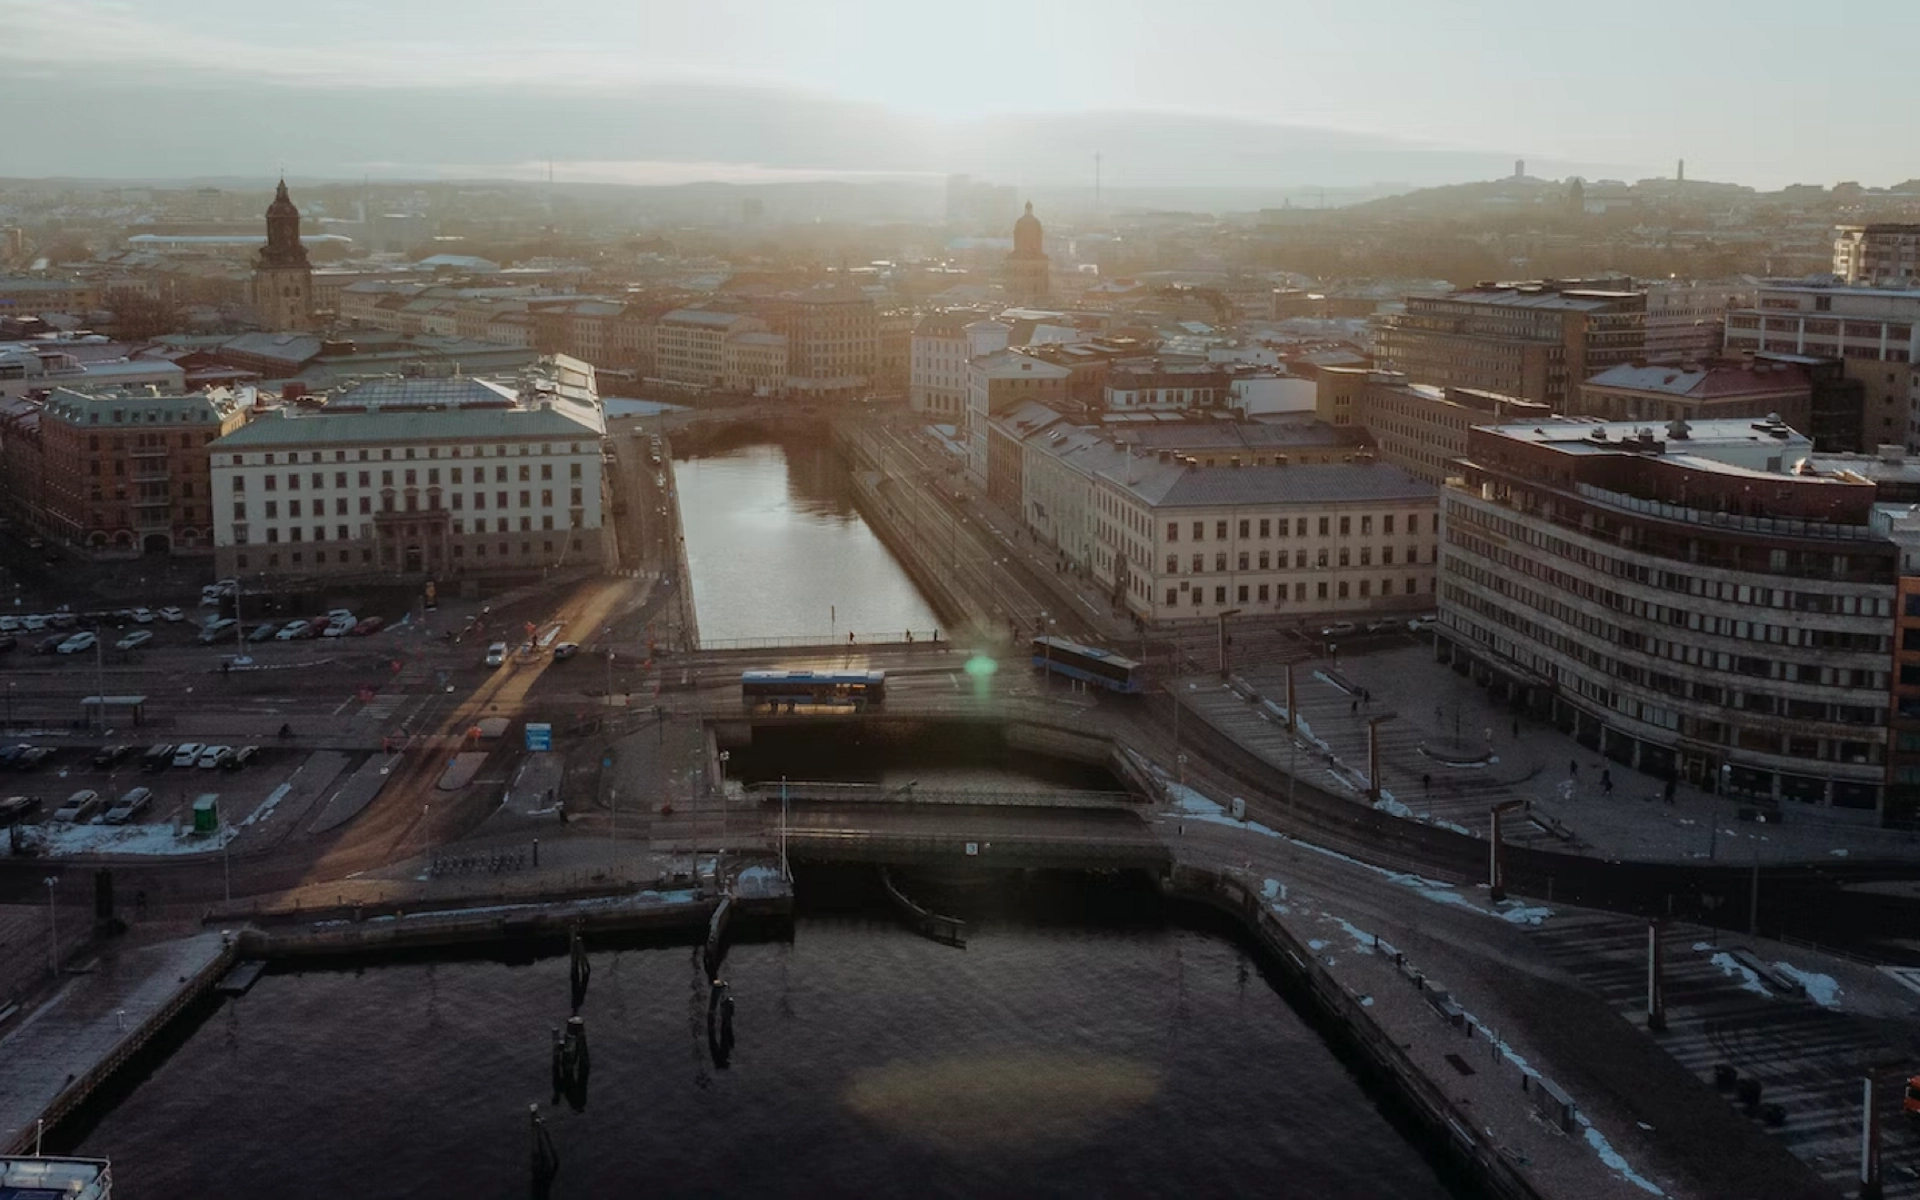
<point>822,689</point>
<point>1101,668</point>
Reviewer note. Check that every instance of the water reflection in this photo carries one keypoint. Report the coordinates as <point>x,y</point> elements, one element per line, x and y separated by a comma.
<point>777,550</point>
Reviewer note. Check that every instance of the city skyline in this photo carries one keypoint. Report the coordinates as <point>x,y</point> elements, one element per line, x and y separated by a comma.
<point>1238,96</point>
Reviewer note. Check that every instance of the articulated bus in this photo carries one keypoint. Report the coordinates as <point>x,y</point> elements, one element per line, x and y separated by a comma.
<point>822,689</point>
<point>1101,668</point>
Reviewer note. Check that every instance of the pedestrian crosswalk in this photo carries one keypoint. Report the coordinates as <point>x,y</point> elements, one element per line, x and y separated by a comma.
<point>1807,1059</point>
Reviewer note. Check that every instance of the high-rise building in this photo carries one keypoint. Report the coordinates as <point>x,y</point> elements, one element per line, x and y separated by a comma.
<point>1027,267</point>
<point>1536,341</point>
<point>282,276</point>
<point>1877,255</point>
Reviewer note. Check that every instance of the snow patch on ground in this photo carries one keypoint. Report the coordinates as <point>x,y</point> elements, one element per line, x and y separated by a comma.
<point>1526,915</point>
<point>1198,808</point>
<point>1361,938</point>
<point>267,806</point>
<point>129,839</point>
<point>1316,944</point>
<point>1274,890</point>
<point>1614,1160</point>
<point>1823,990</point>
<point>1393,808</point>
<point>1734,969</point>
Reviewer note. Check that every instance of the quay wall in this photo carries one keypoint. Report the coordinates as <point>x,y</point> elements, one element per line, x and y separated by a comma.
<point>1473,1149</point>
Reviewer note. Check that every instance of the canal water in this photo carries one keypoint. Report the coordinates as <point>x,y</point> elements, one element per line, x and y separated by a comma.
<point>1096,1046</point>
<point>777,550</point>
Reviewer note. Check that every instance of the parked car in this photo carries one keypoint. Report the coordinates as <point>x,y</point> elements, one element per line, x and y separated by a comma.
<point>33,623</point>
<point>18,808</point>
<point>214,756</point>
<point>109,756</point>
<point>217,630</point>
<point>134,640</point>
<point>48,645</point>
<point>172,615</point>
<point>1423,622</point>
<point>300,628</point>
<point>1383,625</point>
<point>496,654</point>
<point>129,806</point>
<point>141,616</point>
<point>368,625</point>
<point>157,757</point>
<point>565,651</point>
<point>78,643</point>
<point>79,807</point>
<point>339,626</point>
<point>186,754</point>
<point>9,624</point>
<point>31,757</point>
<point>264,633</point>
<point>1337,629</point>
<point>62,620</point>
<point>240,758</point>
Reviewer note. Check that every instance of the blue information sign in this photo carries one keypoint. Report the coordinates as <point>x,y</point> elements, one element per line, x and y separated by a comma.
<point>539,736</point>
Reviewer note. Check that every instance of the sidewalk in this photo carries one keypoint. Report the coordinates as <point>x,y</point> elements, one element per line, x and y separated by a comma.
<point>1420,703</point>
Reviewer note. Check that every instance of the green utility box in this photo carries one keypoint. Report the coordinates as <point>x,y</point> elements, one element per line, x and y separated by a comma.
<point>206,814</point>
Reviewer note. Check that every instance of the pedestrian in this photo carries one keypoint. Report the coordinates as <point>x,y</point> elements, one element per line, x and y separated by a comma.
<point>1354,708</point>
<point>849,637</point>
<point>1573,768</point>
<point>1366,694</point>
<point>1426,784</point>
<point>909,637</point>
<point>1606,783</point>
<point>1667,791</point>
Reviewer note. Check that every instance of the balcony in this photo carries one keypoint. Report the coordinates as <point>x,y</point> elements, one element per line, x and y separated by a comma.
<point>148,452</point>
<point>151,474</point>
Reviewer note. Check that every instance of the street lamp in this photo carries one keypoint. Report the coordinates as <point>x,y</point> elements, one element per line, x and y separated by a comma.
<point>53,928</point>
<point>1222,619</point>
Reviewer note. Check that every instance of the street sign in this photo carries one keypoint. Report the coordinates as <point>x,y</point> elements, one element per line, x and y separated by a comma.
<point>539,735</point>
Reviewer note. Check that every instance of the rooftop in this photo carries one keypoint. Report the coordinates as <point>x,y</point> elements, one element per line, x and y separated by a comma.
<point>1180,486</point>
<point>1719,380</point>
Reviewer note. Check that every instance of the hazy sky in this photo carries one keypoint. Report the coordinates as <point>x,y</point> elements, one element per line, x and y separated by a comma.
<point>1758,91</point>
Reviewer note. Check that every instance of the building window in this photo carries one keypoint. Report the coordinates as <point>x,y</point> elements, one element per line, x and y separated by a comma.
<point>1346,526</point>
<point>1263,593</point>
<point>1265,559</point>
<point>1199,564</point>
<point>1412,585</point>
<point>1173,564</point>
<point>1366,556</point>
<point>273,509</point>
<point>1386,524</point>
<point>273,533</point>
<point>1343,589</point>
<point>1413,522</point>
<point>1199,531</point>
<point>1324,523</point>
<point>273,483</point>
<point>1344,554</point>
<point>1220,560</point>
<point>1322,590</point>
<point>1366,588</point>
<point>240,511</point>
<point>343,535</point>
<point>1386,556</point>
<point>1386,587</point>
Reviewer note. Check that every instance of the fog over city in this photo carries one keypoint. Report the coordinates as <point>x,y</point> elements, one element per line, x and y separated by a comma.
<point>1214,93</point>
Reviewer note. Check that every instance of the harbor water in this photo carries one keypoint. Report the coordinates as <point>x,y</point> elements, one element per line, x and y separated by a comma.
<point>777,549</point>
<point>1092,1047</point>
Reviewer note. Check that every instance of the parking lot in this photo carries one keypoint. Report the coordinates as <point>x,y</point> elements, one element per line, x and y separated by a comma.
<point>165,820</point>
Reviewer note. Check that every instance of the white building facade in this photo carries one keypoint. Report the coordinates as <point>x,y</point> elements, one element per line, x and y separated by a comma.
<point>414,477</point>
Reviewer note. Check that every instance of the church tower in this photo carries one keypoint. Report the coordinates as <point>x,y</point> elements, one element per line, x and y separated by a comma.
<point>282,276</point>
<point>1027,267</point>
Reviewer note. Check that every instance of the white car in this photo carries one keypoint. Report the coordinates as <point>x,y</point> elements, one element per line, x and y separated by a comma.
<point>141,616</point>
<point>292,630</point>
<point>171,614</point>
<point>33,624</point>
<point>134,640</point>
<point>213,756</point>
<point>129,806</point>
<point>84,640</point>
<point>79,807</point>
<point>187,753</point>
<point>496,654</point>
<point>340,626</point>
